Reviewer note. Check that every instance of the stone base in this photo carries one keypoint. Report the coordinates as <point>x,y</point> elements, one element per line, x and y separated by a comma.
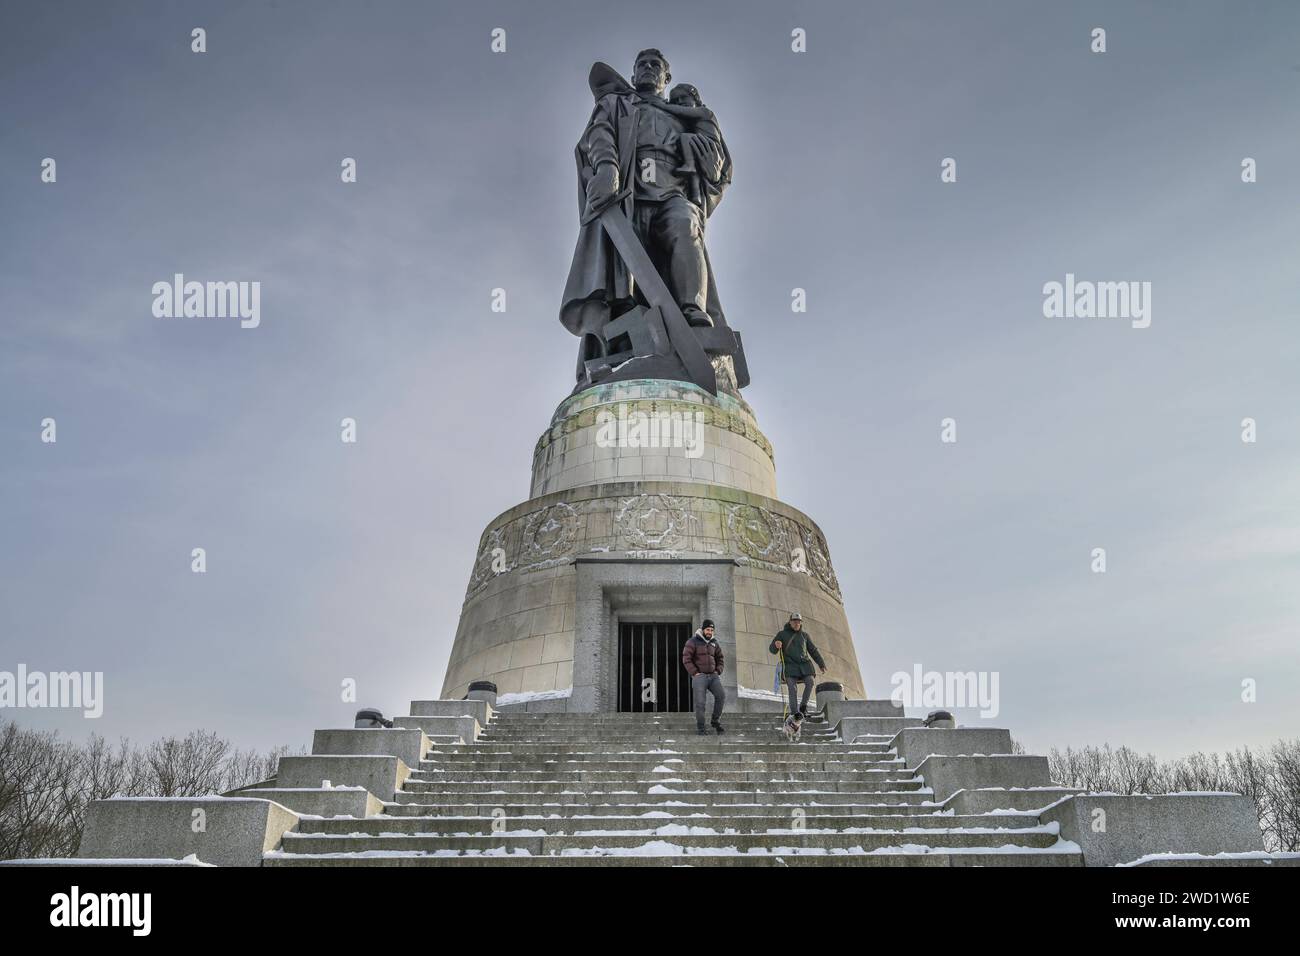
<point>556,575</point>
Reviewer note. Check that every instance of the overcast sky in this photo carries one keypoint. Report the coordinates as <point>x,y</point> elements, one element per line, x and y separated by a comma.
<point>329,561</point>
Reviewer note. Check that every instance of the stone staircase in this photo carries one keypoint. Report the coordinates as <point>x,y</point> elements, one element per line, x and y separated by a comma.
<point>457,783</point>
<point>572,789</point>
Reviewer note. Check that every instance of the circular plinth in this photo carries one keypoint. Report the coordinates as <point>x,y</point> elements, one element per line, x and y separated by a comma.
<point>555,575</point>
<point>653,430</point>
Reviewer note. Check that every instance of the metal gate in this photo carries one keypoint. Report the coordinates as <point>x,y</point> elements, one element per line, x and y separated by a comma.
<point>653,652</point>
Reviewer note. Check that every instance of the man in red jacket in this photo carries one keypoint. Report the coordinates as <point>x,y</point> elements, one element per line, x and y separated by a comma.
<point>702,658</point>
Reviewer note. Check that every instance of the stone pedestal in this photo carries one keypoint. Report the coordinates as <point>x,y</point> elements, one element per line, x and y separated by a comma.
<point>652,500</point>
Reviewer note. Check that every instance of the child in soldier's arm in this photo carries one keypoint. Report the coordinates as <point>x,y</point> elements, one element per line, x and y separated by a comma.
<point>684,102</point>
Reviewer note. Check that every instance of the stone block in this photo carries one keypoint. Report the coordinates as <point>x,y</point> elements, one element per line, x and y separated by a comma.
<point>538,677</point>
<point>914,744</point>
<point>380,775</point>
<point>408,744</point>
<point>975,801</point>
<point>852,728</point>
<point>1113,828</point>
<point>946,775</point>
<point>467,729</point>
<point>839,709</point>
<point>478,709</point>
<point>234,831</point>
<point>318,802</point>
<point>1222,859</point>
<point>557,647</point>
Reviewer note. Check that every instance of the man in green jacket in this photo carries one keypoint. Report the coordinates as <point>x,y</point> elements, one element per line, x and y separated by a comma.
<point>797,648</point>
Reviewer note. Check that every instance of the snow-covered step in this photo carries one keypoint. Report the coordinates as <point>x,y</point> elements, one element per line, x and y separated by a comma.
<point>684,774</point>
<point>670,785</point>
<point>542,843</point>
<point>683,745</point>
<point>809,761</point>
<point>636,720</point>
<point>886,806</point>
<point>665,794</point>
<point>662,852</point>
<point>565,770</point>
<point>576,789</point>
<point>767,822</point>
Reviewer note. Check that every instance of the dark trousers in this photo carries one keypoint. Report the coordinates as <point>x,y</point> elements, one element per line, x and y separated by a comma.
<point>710,683</point>
<point>673,233</point>
<point>793,683</point>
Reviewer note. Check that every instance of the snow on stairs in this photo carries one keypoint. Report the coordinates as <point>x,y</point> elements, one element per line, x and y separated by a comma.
<point>574,789</point>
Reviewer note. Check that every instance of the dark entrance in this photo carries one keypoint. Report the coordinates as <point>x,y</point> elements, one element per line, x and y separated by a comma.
<point>653,652</point>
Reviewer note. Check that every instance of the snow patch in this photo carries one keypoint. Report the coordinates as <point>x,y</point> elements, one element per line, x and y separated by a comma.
<point>532,695</point>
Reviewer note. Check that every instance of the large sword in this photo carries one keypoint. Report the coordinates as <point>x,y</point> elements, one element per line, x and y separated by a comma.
<point>683,338</point>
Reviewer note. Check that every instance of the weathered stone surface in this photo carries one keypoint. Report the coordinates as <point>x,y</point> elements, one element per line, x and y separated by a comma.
<point>914,744</point>
<point>80,862</point>
<point>947,775</point>
<point>836,710</point>
<point>855,729</point>
<point>478,709</point>
<point>653,430</point>
<point>466,729</point>
<point>380,775</point>
<point>544,705</point>
<point>522,626</point>
<point>1113,829</point>
<point>1226,859</point>
<point>223,831</point>
<point>408,744</point>
<point>338,801</point>
<point>988,800</point>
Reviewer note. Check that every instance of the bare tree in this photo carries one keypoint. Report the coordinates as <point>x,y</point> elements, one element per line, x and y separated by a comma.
<point>189,766</point>
<point>1271,779</point>
<point>47,783</point>
<point>1282,794</point>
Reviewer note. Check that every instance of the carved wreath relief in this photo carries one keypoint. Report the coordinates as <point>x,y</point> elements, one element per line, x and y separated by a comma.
<point>493,557</point>
<point>765,536</point>
<point>549,533</point>
<point>653,522</point>
<point>758,533</point>
<point>650,523</point>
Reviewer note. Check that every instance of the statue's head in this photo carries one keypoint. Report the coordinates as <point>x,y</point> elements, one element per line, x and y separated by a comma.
<point>683,94</point>
<point>650,72</point>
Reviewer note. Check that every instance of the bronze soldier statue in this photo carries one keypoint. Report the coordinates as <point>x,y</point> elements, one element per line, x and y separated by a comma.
<point>655,170</point>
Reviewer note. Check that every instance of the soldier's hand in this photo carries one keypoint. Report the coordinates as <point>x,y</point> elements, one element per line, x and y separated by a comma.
<point>710,157</point>
<point>603,186</point>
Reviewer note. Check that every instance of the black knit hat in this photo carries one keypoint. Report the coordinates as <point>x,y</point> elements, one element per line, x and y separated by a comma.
<point>706,625</point>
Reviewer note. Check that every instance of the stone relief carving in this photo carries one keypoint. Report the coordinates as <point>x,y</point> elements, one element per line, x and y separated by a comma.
<point>819,559</point>
<point>549,533</point>
<point>758,533</point>
<point>650,525</point>
<point>494,557</point>
<point>653,522</point>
